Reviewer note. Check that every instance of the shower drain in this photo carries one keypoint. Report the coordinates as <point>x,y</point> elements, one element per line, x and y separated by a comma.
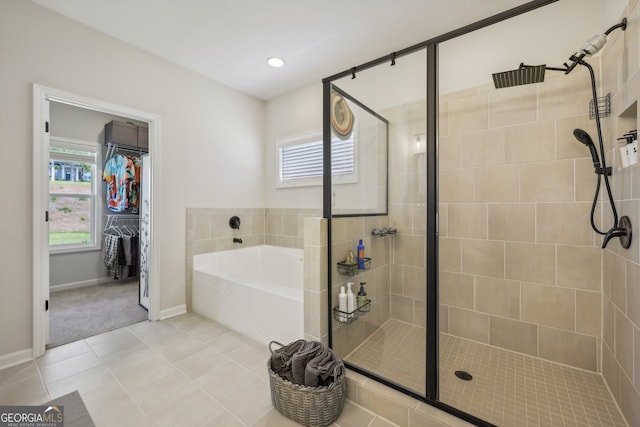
<point>463,375</point>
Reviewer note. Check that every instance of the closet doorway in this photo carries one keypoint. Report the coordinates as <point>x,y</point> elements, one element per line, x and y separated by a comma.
<point>77,292</point>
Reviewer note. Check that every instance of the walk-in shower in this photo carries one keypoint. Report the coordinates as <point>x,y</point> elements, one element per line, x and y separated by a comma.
<point>487,300</point>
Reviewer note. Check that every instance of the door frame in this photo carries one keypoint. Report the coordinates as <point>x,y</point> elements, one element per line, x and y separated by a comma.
<point>42,95</point>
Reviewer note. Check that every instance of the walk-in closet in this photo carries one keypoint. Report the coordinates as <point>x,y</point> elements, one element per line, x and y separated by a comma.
<point>98,217</point>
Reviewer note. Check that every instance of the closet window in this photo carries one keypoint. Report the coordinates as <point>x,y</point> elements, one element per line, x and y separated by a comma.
<point>300,161</point>
<point>74,172</point>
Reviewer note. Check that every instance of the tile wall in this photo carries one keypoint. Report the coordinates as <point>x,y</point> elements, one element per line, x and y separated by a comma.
<point>407,211</point>
<point>345,234</point>
<point>208,230</point>
<point>621,268</point>
<point>520,267</point>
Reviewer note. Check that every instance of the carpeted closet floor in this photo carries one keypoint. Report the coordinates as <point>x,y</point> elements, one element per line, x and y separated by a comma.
<point>79,313</point>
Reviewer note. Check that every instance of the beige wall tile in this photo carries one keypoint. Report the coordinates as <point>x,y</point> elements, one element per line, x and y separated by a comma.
<point>456,186</point>
<point>409,250</point>
<point>443,318</point>
<point>450,253</point>
<point>530,142</point>
<point>618,282</point>
<point>514,222</point>
<point>315,267</point>
<point>611,372</point>
<point>552,96</point>
<point>201,228</point>
<point>624,343</point>
<point>569,348</point>
<point>443,118</point>
<point>468,114</point>
<point>483,148</point>
<point>483,257</point>
<point>580,267</point>
<point>312,312</point>
<point>608,323</point>
<point>547,181</point>
<point>420,312</point>
<point>589,312</point>
<point>497,296</point>
<point>629,401</point>
<point>415,281</point>
<point>586,180</point>
<point>401,215</point>
<point>443,225</point>
<point>636,359</point>
<point>456,290</point>
<point>530,262</point>
<point>402,308</point>
<point>387,408</point>
<point>497,184</point>
<point>512,106</point>
<point>633,294</point>
<point>468,220</point>
<point>315,231</point>
<point>274,224</point>
<point>567,146</point>
<point>549,306</point>
<point>469,324</point>
<point>630,35</point>
<point>449,152</point>
<point>514,335</point>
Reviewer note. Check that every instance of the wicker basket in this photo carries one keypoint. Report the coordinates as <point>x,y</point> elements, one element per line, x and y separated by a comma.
<point>309,406</point>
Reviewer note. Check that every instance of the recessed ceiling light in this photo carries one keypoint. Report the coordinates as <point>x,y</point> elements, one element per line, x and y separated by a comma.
<point>275,62</point>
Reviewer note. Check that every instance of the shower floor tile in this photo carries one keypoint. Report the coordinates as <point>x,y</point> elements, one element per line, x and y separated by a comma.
<point>508,389</point>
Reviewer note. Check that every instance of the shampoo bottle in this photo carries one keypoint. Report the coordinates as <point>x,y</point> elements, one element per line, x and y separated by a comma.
<point>350,302</point>
<point>361,298</point>
<point>342,304</point>
<point>360,255</point>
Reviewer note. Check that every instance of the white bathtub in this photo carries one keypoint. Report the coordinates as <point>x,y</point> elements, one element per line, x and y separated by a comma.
<point>256,291</point>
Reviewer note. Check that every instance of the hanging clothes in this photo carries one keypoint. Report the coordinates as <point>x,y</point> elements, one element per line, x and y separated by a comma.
<point>123,179</point>
<point>121,254</point>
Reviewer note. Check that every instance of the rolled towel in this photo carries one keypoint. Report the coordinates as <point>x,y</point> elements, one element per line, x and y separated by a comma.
<point>321,369</point>
<point>281,359</point>
<point>300,359</point>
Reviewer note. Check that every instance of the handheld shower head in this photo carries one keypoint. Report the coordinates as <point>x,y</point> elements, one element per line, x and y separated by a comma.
<point>584,138</point>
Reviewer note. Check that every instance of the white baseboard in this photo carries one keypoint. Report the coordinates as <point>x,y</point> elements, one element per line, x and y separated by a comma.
<point>81,284</point>
<point>173,311</point>
<point>16,358</point>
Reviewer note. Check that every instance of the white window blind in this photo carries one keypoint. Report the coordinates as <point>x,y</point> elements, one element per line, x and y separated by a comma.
<point>303,161</point>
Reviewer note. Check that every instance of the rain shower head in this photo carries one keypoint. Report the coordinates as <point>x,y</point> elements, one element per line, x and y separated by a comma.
<point>524,75</point>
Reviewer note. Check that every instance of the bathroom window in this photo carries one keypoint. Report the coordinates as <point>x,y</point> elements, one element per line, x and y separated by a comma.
<point>300,161</point>
<point>73,174</point>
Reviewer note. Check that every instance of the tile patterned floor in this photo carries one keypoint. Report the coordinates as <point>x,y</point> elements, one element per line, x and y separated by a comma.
<point>508,389</point>
<point>184,371</point>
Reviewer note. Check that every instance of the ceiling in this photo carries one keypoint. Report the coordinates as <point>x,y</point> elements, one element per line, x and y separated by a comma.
<point>230,40</point>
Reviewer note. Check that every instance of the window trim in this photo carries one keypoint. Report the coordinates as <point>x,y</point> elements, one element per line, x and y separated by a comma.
<point>315,181</point>
<point>96,174</point>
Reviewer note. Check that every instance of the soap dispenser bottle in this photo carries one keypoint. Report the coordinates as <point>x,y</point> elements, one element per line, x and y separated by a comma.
<point>350,299</point>
<point>361,298</point>
<point>342,305</point>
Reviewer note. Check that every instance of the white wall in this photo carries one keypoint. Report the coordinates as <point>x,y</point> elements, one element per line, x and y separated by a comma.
<point>211,141</point>
<point>294,114</point>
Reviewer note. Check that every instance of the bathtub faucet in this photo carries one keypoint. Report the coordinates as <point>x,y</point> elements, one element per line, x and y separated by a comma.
<point>237,240</point>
